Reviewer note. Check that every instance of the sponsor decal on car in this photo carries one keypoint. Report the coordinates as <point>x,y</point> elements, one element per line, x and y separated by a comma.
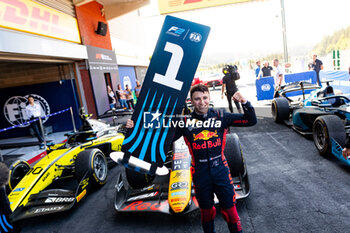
<point>59,199</point>
<point>45,176</point>
<point>143,196</point>
<point>48,209</point>
<point>179,193</point>
<point>148,188</point>
<point>84,183</point>
<point>179,185</point>
<point>81,195</point>
<point>18,190</point>
<point>140,205</point>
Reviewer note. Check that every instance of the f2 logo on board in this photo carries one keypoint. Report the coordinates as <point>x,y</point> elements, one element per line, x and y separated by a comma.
<point>169,79</point>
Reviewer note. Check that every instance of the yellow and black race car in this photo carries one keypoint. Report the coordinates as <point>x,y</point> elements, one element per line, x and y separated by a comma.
<point>66,174</point>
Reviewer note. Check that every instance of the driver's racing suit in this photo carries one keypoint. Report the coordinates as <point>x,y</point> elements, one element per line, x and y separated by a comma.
<point>210,170</point>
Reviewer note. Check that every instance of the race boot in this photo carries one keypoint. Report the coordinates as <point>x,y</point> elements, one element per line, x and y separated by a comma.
<point>235,227</point>
<point>208,227</point>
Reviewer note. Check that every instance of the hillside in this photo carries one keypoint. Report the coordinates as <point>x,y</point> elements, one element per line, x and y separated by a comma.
<point>340,40</point>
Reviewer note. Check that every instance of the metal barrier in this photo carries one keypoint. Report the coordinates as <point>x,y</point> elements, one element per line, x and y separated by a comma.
<point>39,119</point>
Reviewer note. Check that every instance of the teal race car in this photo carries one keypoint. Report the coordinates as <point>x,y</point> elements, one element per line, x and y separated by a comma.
<point>323,114</point>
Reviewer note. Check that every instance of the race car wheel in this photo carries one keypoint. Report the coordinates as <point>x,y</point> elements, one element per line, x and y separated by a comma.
<point>138,180</point>
<point>280,109</point>
<point>17,171</point>
<point>234,155</point>
<point>93,163</point>
<point>325,128</point>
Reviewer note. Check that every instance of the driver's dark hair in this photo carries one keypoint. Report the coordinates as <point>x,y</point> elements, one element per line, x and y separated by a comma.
<point>30,96</point>
<point>199,87</point>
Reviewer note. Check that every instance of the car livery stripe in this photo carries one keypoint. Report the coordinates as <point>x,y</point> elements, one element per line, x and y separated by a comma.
<point>134,132</point>
<point>154,144</point>
<point>139,139</point>
<point>161,147</point>
<point>148,138</point>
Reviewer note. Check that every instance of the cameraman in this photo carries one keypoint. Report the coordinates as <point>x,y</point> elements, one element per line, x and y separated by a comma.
<point>229,81</point>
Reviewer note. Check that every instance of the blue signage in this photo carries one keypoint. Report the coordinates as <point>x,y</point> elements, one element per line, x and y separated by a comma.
<point>165,88</point>
<point>265,86</point>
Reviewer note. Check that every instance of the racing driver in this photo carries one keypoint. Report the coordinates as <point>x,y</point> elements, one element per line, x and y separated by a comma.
<point>210,170</point>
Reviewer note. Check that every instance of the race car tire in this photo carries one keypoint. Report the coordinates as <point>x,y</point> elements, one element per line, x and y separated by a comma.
<point>93,164</point>
<point>138,180</point>
<point>18,170</point>
<point>280,109</point>
<point>234,155</point>
<point>327,127</point>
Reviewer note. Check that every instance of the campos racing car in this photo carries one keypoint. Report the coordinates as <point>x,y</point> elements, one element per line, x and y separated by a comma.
<point>65,175</point>
<point>174,193</point>
<point>323,115</point>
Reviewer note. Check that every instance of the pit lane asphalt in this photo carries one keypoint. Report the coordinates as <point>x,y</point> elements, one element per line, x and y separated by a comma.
<point>293,189</point>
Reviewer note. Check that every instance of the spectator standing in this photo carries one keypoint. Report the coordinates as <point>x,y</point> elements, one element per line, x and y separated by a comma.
<point>121,97</point>
<point>33,111</point>
<point>317,65</point>
<point>229,81</point>
<point>111,97</point>
<point>266,70</point>
<point>257,69</point>
<point>137,89</point>
<point>278,76</point>
<point>129,98</point>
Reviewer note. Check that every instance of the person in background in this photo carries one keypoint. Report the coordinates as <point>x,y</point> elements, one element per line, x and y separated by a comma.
<point>266,70</point>
<point>33,111</point>
<point>278,76</point>
<point>129,98</point>
<point>257,69</point>
<point>137,89</point>
<point>121,97</point>
<point>111,97</point>
<point>317,66</point>
<point>229,81</point>
<point>5,210</point>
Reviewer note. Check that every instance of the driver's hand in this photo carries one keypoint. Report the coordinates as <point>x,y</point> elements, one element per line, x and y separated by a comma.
<point>346,152</point>
<point>129,124</point>
<point>239,97</point>
<point>222,95</point>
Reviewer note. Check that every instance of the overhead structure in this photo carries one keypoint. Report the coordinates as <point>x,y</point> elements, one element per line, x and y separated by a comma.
<point>171,6</point>
<point>115,8</point>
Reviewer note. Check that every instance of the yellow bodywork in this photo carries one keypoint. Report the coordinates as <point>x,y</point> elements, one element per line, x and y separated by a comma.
<point>49,167</point>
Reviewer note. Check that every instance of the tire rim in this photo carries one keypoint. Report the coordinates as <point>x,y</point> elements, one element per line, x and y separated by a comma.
<point>100,167</point>
<point>320,136</point>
